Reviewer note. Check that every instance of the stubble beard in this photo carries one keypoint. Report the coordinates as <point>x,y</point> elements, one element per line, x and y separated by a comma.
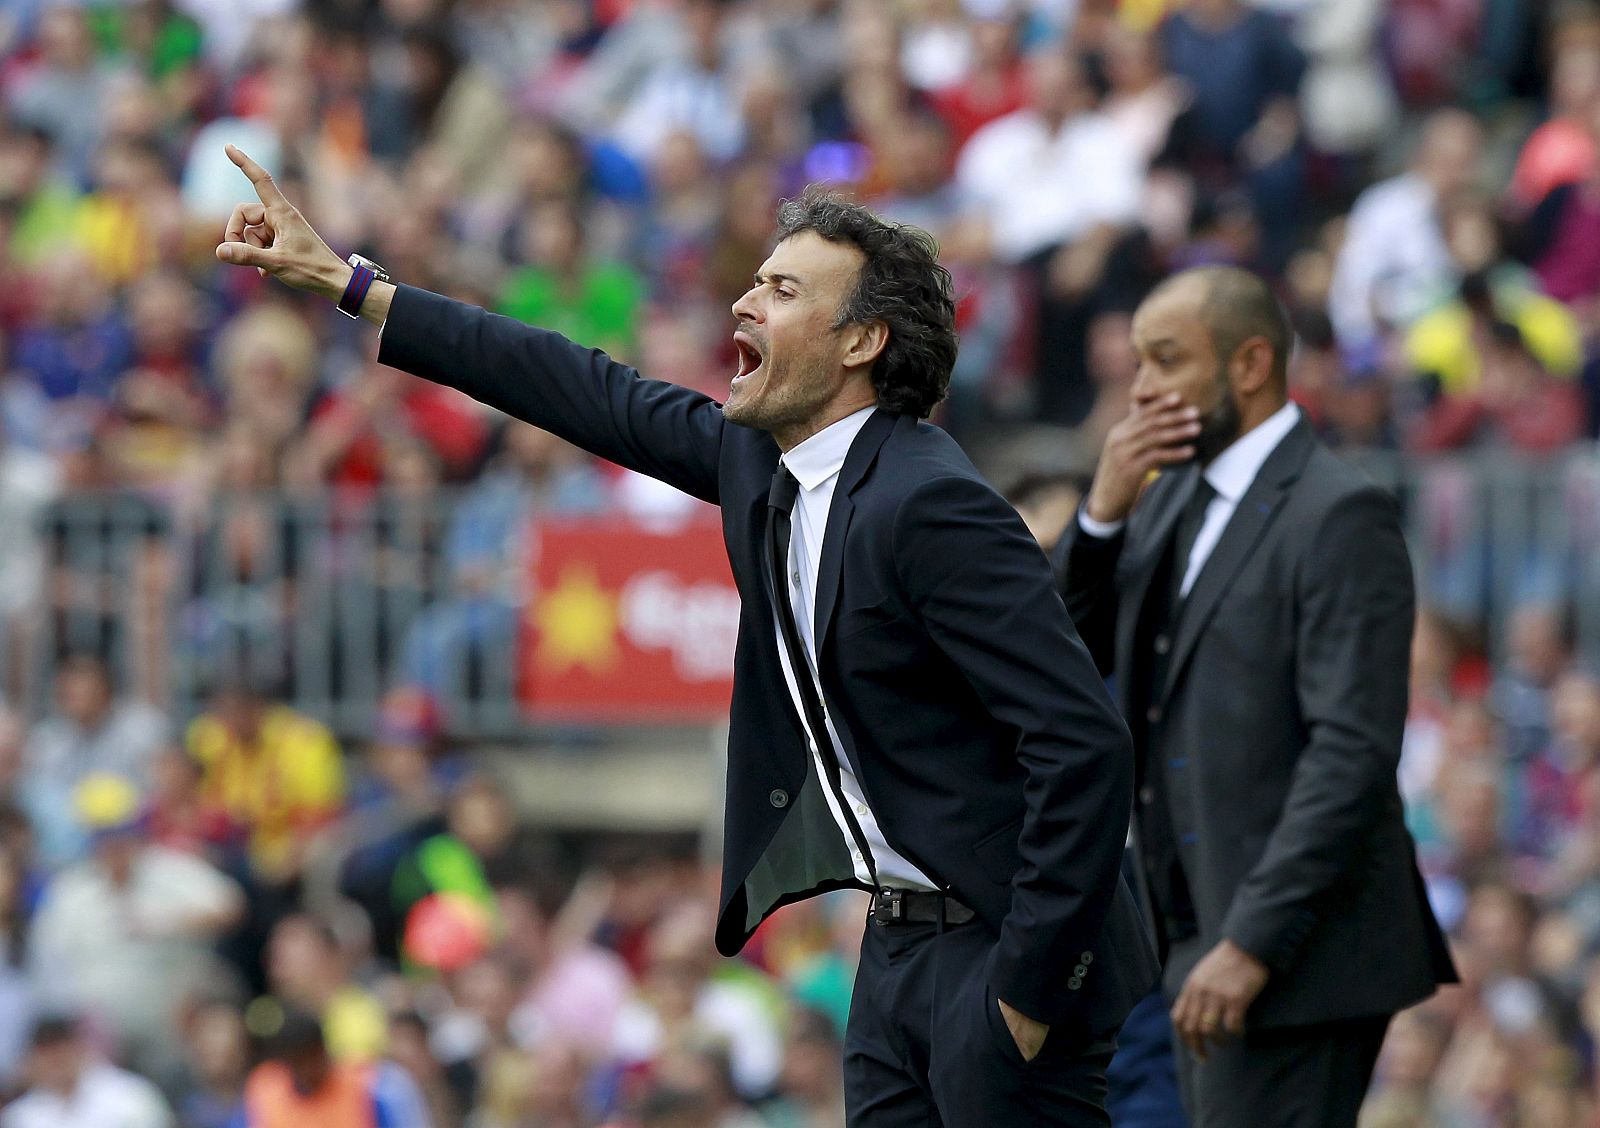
<point>793,401</point>
<point>1219,427</point>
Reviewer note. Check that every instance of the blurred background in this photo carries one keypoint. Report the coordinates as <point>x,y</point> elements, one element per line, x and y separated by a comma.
<point>356,736</point>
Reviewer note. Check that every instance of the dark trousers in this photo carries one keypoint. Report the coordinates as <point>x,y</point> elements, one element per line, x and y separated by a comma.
<point>1143,1078</point>
<point>1295,1076</point>
<point>927,1046</point>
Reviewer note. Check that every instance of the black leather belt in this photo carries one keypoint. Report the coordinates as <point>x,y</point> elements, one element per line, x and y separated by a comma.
<point>917,906</point>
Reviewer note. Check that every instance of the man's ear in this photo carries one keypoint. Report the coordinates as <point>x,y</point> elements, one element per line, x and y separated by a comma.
<point>1252,365</point>
<point>865,343</point>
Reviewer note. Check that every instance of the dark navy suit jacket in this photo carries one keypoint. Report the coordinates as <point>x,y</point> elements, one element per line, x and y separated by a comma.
<point>971,713</point>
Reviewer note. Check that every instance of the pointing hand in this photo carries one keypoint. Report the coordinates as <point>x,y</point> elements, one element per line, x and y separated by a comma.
<point>275,238</point>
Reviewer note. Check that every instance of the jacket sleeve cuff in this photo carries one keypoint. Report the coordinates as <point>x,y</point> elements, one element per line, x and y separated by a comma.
<point>1274,945</point>
<point>1026,994</point>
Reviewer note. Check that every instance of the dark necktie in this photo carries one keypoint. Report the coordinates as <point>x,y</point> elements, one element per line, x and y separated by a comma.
<point>1188,530</point>
<point>780,500</point>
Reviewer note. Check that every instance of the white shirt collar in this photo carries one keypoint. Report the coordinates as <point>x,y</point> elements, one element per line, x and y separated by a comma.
<point>822,455</point>
<point>1232,471</point>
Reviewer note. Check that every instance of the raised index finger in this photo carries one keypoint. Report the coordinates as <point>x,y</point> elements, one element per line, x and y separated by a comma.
<point>266,188</point>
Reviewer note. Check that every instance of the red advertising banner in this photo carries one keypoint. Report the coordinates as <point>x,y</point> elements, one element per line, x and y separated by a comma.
<point>628,623</point>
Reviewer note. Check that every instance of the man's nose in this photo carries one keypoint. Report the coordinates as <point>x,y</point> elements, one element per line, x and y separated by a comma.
<point>745,309</point>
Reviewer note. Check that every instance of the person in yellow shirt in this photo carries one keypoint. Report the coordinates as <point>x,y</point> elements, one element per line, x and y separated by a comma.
<point>272,770</point>
<point>1448,343</point>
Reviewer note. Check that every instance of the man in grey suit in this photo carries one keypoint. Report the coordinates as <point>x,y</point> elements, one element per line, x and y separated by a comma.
<point>1255,606</point>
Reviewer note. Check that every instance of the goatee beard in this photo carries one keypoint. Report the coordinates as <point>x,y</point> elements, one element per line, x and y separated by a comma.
<point>1218,429</point>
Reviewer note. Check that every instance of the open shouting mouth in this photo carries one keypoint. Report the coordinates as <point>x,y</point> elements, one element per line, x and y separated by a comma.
<point>750,358</point>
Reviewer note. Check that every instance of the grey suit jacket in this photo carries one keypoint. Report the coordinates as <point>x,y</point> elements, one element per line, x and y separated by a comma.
<point>1283,711</point>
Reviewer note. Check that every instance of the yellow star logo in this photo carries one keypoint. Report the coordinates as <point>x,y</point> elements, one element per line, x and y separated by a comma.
<point>577,621</point>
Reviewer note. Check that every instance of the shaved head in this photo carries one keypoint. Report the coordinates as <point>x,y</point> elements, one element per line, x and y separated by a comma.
<point>1235,306</point>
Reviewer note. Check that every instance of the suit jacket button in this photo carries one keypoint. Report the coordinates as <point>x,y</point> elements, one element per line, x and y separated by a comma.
<point>1163,644</point>
<point>1086,959</point>
<point>1079,971</point>
<point>1153,714</point>
<point>1074,983</point>
<point>779,797</point>
<point>1147,795</point>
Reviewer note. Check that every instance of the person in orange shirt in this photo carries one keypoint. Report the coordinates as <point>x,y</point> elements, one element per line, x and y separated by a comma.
<point>300,1084</point>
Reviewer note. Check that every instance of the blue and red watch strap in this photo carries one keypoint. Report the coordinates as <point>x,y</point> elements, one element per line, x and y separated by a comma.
<point>355,291</point>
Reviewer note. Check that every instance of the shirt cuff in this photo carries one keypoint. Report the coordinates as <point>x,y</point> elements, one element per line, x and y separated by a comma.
<point>1100,530</point>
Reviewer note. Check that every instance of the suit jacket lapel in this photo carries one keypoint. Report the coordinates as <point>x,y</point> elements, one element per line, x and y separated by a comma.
<point>1250,520</point>
<point>1165,501</point>
<point>863,451</point>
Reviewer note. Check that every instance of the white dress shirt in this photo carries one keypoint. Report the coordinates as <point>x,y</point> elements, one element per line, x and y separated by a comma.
<point>815,464</point>
<point>1013,170</point>
<point>104,1097</point>
<point>1393,261</point>
<point>1230,475</point>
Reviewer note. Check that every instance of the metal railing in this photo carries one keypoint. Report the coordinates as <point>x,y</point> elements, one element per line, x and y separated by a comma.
<point>336,598</point>
<point>325,601</point>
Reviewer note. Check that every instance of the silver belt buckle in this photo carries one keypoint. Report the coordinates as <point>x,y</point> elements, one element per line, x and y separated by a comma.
<point>889,906</point>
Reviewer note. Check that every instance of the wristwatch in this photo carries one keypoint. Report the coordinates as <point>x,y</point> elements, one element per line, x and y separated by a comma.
<point>355,291</point>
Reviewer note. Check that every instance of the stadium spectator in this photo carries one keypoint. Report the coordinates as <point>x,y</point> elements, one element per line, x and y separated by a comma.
<point>1046,502</point>
<point>43,199</point>
<point>210,1091</point>
<point>397,803</point>
<point>70,1086</point>
<point>352,430</point>
<point>276,774</point>
<point>28,480</point>
<point>1538,650</point>
<point>123,936</point>
<point>410,1049</point>
<point>308,970</point>
<point>993,84</point>
<point>1347,104</point>
<point>1143,100</point>
<point>18,990</point>
<point>1445,342</point>
<point>1011,169</point>
<point>1560,227</point>
<point>1243,72</point>
<point>574,988</point>
<point>1561,151</point>
<point>162,405</point>
<point>565,289</point>
<point>300,1083</point>
<point>810,1093</point>
<point>681,1001</point>
<point>700,93</point>
<point>77,345</point>
<point>92,730</point>
<point>67,89</point>
<point>265,369</point>
<point>1394,259</point>
<point>474,1039</point>
<point>1011,172</point>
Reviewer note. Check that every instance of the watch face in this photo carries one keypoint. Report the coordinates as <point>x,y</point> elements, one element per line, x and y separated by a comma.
<point>362,260</point>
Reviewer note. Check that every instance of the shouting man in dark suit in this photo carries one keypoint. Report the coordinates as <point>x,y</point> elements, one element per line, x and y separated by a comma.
<point>1255,605</point>
<point>913,713</point>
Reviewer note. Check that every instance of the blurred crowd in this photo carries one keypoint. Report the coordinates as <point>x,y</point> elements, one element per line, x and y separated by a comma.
<point>241,924</point>
<point>227,907</point>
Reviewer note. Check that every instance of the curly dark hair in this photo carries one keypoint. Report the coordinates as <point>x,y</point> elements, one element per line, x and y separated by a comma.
<point>901,284</point>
